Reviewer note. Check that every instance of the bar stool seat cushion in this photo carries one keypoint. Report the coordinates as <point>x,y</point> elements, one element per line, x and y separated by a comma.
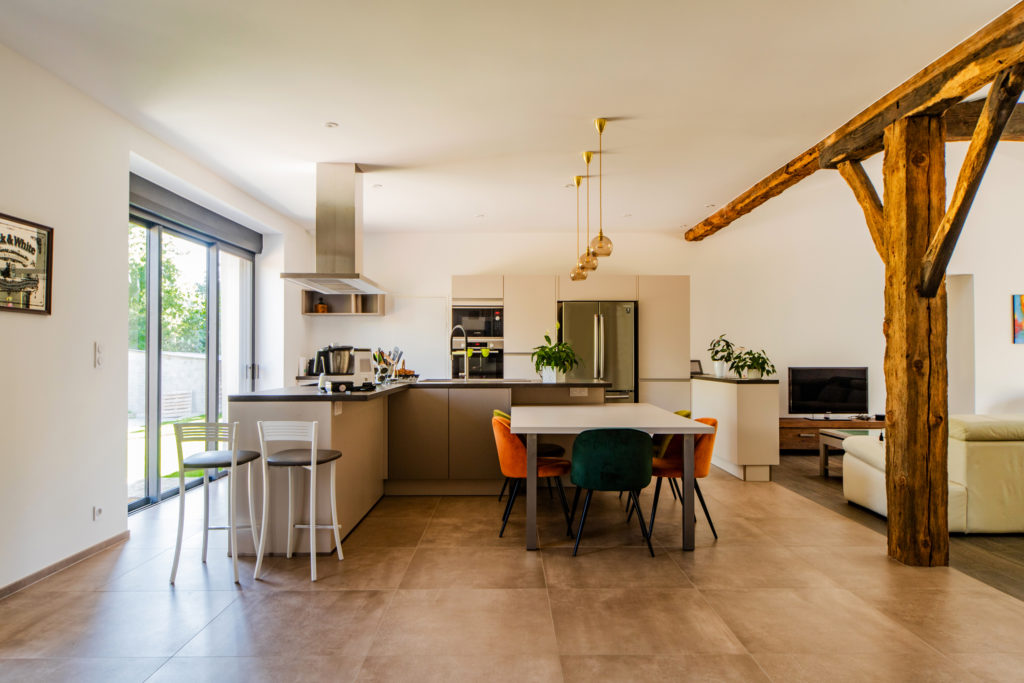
<point>296,457</point>
<point>211,459</point>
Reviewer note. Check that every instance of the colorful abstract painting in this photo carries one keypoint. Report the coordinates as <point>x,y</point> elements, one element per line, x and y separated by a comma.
<point>1018,320</point>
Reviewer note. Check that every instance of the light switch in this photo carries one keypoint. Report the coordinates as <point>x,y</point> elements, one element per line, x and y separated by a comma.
<point>97,355</point>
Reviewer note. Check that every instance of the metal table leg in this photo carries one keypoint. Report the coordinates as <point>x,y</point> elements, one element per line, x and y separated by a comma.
<point>688,511</point>
<point>531,491</point>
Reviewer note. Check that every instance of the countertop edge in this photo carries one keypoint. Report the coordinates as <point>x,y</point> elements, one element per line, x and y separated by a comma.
<point>734,380</point>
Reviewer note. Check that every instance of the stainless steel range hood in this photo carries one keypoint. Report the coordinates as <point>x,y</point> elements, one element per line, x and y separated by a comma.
<point>339,234</point>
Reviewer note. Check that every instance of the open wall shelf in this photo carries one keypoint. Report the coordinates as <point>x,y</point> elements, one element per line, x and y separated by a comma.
<point>342,304</point>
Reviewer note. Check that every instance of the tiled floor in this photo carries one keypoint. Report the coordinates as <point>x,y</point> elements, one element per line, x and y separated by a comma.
<point>790,592</point>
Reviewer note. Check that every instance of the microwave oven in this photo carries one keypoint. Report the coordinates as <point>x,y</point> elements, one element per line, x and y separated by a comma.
<point>479,321</point>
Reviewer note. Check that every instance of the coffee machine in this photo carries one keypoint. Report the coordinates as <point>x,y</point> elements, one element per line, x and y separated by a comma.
<point>362,370</point>
<point>345,368</point>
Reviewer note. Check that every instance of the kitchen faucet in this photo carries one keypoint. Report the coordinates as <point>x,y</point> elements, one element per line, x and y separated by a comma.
<point>465,347</point>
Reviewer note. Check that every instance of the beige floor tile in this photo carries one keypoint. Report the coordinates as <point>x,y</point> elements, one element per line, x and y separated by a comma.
<point>636,621</point>
<point>882,667</point>
<point>602,530</point>
<point>749,567</point>
<point>475,532</point>
<point>193,575</point>
<point>461,668</point>
<point>283,623</point>
<point>810,620</point>
<point>611,568</point>
<point>93,573</point>
<point>459,621</point>
<point>405,506</point>
<point>105,624</point>
<point>362,569</point>
<point>474,568</point>
<point>956,621</point>
<point>826,530</point>
<point>294,668</point>
<point>732,531</point>
<point>472,507</point>
<point>79,670</point>
<point>387,532</point>
<point>869,567</point>
<point>738,668</point>
<point>992,666</point>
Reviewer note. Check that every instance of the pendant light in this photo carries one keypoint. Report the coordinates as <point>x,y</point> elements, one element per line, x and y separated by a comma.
<point>588,259</point>
<point>601,245</point>
<point>577,272</point>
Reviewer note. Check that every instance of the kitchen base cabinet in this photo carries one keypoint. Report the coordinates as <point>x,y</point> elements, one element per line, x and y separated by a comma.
<point>418,434</point>
<point>471,450</point>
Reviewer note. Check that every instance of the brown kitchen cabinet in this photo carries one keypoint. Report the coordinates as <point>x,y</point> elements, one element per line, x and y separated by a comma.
<point>801,434</point>
<point>418,434</point>
<point>471,450</point>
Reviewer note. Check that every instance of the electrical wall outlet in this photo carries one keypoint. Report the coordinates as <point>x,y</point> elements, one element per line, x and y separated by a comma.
<point>97,355</point>
<point>97,512</point>
<point>578,392</point>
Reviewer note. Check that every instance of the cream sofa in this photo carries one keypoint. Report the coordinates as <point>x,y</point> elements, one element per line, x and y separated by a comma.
<point>986,473</point>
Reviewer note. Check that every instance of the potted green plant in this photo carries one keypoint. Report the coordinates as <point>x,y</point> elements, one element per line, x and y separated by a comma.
<point>752,364</point>
<point>552,360</point>
<point>722,352</point>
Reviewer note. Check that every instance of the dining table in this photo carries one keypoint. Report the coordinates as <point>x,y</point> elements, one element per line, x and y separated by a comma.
<point>533,421</point>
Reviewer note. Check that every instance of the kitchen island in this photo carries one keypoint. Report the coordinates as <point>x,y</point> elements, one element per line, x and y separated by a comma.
<point>430,437</point>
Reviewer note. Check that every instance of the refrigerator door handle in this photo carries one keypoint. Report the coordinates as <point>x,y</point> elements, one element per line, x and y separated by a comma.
<point>601,357</point>
<point>596,347</point>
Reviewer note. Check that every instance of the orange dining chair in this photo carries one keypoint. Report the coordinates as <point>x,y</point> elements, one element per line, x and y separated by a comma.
<point>544,450</point>
<point>512,459</point>
<point>669,464</point>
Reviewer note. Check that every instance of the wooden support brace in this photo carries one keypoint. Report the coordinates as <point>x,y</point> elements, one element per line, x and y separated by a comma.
<point>855,176</point>
<point>1002,99</point>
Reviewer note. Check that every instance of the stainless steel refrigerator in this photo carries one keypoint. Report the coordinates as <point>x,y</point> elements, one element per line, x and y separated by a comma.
<point>603,333</point>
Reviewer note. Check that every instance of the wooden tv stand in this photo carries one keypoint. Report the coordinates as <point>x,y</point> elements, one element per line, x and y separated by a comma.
<point>801,433</point>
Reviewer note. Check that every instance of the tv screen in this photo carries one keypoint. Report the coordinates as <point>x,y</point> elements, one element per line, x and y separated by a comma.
<point>828,390</point>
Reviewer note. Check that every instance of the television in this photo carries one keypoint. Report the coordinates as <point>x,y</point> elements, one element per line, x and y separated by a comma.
<point>828,390</point>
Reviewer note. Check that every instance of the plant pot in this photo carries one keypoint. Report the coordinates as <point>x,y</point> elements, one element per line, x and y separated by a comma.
<point>719,368</point>
<point>753,374</point>
<point>548,375</point>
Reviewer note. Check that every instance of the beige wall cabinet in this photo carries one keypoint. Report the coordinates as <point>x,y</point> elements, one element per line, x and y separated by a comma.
<point>663,321</point>
<point>418,434</point>
<point>531,308</point>
<point>486,287</point>
<point>471,450</point>
<point>598,287</point>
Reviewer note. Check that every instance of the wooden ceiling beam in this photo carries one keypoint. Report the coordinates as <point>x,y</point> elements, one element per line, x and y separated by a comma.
<point>949,79</point>
<point>783,178</point>
<point>1002,100</point>
<point>962,119</point>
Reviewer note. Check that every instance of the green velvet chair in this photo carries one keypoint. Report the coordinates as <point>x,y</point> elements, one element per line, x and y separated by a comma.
<point>611,460</point>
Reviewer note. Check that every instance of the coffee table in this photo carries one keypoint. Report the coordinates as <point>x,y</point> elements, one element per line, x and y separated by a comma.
<point>833,438</point>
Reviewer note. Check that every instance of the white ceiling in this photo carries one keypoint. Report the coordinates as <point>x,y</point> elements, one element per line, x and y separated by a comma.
<point>458,109</point>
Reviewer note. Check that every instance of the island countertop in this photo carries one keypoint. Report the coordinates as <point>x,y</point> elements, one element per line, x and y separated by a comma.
<point>310,393</point>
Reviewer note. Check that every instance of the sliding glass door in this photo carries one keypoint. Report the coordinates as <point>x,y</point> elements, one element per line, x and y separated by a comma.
<point>190,340</point>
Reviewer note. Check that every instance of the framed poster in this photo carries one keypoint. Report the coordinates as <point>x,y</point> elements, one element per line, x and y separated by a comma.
<point>26,265</point>
<point>1018,320</point>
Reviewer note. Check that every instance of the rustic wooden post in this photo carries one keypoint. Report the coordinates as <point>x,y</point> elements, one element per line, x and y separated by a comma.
<point>915,354</point>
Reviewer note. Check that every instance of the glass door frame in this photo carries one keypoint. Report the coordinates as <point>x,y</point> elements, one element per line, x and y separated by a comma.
<point>154,341</point>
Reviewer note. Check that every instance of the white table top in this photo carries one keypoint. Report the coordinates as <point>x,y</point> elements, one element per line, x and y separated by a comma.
<point>568,419</point>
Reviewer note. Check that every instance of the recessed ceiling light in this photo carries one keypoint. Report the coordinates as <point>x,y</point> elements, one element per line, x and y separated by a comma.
<point>330,124</point>
<point>627,215</point>
<point>480,215</point>
<point>377,186</point>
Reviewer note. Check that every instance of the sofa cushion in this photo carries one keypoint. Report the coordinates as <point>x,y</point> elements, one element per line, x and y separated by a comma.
<point>986,427</point>
<point>867,449</point>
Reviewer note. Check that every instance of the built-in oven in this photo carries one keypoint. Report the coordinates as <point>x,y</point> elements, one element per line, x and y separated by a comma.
<point>485,358</point>
<point>478,321</point>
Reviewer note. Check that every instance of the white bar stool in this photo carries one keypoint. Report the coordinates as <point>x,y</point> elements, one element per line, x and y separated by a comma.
<point>294,458</point>
<point>213,433</point>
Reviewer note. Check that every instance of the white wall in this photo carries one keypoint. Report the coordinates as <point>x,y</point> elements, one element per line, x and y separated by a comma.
<point>66,161</point>
<point>799,277</point>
